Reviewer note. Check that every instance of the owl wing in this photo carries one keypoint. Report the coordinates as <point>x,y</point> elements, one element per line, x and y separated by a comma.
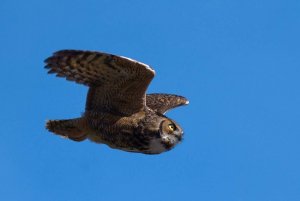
<point>161,103</point>
<point>117,84</point>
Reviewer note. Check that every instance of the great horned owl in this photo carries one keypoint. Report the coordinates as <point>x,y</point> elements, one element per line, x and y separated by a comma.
<point>118,112</point>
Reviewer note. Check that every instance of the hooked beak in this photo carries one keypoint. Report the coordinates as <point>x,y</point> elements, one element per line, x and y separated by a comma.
<point>179,135</point>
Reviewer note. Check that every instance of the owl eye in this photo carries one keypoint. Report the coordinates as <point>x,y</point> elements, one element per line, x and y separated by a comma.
<point>172,127</point>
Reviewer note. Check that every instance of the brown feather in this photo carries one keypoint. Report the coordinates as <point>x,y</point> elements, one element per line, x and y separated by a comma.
<point>161,103</point>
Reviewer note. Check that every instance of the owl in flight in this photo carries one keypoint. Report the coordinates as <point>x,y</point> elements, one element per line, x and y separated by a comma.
<point>118,111</point>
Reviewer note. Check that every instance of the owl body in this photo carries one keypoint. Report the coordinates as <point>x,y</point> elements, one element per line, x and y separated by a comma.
<point>136,133</point>
<point>118,113</point>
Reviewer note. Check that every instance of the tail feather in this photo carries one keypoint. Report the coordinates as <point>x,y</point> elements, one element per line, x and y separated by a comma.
<point>74,129</point>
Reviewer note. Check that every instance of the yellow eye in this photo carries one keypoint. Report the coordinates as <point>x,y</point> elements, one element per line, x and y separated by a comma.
<point>172,127</point>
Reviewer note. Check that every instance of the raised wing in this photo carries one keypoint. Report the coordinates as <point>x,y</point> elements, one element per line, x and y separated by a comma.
<point>117,84</point>
<point>161,103</point>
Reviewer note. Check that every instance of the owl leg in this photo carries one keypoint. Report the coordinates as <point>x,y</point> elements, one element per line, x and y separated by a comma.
<point>74,129</point>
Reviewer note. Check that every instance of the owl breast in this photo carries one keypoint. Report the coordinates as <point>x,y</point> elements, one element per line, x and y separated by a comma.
<point>131,142</point>
<point>152,146</point>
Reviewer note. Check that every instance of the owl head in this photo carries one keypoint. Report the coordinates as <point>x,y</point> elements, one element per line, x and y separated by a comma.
<point>170,133</point>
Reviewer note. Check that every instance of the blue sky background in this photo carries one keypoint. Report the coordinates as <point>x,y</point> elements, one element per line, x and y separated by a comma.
<point>237,61</point>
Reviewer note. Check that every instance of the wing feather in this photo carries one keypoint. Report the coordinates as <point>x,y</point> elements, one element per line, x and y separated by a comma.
<point>116,83</point>
<point>161,103</point>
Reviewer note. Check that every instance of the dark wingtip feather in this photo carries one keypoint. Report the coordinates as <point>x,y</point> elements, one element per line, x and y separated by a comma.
<point>47,60</point>
<point>51,71</point>
<point>66,51</point>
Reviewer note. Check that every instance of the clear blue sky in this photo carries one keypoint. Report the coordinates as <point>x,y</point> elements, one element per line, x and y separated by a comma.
<point>237,61</point>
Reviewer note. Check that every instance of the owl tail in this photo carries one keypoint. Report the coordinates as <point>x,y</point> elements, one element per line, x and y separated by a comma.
<point>74,129</point>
